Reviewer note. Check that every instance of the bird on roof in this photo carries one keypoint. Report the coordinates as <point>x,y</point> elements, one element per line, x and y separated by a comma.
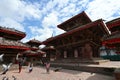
<point>6,68</point>
<point>1,57</point>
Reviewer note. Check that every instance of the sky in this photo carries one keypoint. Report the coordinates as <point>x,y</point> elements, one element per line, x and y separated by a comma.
<point>39,18</point>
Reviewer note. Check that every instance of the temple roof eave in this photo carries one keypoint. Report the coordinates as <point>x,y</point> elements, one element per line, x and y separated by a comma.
<point>113,23</point>
<point>112,36</point>
<point>6,42</point>
<point>14,47</point>
<point>14,32</point>
<point>33,41</point>
<point>112,41</point>
<point>33,53</point>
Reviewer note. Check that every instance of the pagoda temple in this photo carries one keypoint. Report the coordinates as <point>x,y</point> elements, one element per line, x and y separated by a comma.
<point>35,54</point>
<point>34,44</point>
<point>81,40</point>
<point>10,43</point>
<point>48,56</point>
<point>113,41</point>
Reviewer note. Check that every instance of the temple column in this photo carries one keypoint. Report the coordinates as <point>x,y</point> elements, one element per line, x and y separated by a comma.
<point>96,52</point>
<point>87,51</point>
<point>79,52</point>
<point>58,55</point>
<point>65,54</point>
<point>75,53</point>
<point>83,53</point>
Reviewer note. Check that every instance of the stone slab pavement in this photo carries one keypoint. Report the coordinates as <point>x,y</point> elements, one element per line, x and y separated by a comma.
<point>39,73</point>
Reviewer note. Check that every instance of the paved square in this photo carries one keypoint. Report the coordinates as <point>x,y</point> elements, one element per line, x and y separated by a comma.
<point>39,73</point>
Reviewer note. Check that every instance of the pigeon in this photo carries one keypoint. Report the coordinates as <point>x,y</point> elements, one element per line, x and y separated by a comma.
<point>1,57</point>
<point>14,77</point>
<point>17,56</point>
<point>6,68</point>
<point>5,78</point>
<point>92,73</point>
<point>57,69</point>
<point>30,69</point>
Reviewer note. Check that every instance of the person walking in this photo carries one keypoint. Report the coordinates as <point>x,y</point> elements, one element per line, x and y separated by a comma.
<point>30,66</point>
<point>47,64</point>
<point>20,61</point>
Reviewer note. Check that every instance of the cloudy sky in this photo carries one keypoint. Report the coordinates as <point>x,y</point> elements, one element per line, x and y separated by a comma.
<point>39,18</point>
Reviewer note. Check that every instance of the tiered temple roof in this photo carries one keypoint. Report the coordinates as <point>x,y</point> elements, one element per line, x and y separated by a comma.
<point>34,41</point>
<point>97,25</point>
<point>10,41</point>
<point>113,40</point>
<point>114,25</point>
<point>110,31</point>
<point>82,38</point>
<point>11,33</point>
<point>34,44</point>
<point>10,45</point>
<point>6,42</point>
<point>75,21</point>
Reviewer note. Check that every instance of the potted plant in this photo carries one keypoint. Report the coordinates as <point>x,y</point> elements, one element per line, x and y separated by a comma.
<point>117,73</point>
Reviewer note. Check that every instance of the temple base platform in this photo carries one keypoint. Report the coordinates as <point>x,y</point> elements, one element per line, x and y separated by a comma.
<point>94,61</point>
<point>94,66</point>
<point>84,61</point>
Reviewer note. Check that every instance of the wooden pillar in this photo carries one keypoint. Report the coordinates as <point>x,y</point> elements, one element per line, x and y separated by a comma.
<point>65,54</point>
<point>79,52</point>
<point>75,53</point>
<point>96,52</point>
<point>58,55</point>
<point>87,51</point>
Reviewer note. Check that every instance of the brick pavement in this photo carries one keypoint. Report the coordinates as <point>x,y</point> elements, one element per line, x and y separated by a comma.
<point>39,73</point>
